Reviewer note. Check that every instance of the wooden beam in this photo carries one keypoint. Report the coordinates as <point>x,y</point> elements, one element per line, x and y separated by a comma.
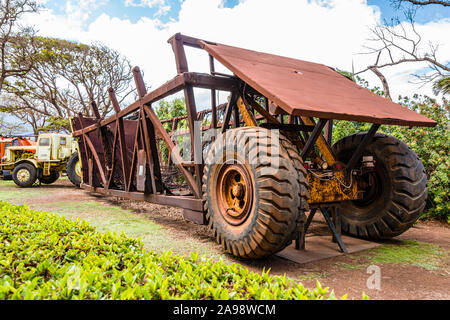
<point>121,133</point>
<point>176,84</point>
<point>174,201</point>
<point>178,160</point>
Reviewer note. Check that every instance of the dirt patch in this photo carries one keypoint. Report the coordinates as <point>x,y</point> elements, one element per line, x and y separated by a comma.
<point>344,274</point>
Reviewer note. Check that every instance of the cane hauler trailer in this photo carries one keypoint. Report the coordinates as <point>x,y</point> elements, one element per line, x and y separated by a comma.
<point>271,161</point>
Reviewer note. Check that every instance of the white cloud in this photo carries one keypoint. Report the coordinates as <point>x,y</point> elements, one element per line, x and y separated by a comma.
<point>82,9</point>
<point>162,11</point>
<point>330,32</point>
<point>144,3</point>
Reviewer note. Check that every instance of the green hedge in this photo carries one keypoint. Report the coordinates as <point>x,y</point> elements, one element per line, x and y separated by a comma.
<point>46,256</point>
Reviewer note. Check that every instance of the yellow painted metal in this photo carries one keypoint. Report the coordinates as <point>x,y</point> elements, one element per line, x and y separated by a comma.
<point>293,136</point>
<point>78,168</point>
<point>23,175</point>
<point>322,144</point>
<point>263,112</point>
<point>47,168</point>
<point>326,190</point>
<point>248,117</point>
<point>235,193</point>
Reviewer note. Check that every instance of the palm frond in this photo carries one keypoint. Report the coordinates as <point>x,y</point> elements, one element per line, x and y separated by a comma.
<point>442,86</point>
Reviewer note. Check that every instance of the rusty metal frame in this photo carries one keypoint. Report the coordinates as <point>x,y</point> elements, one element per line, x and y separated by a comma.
<point>108,149</point>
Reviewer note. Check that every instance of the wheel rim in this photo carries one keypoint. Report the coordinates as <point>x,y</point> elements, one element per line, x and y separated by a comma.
<point>23,175</point>
<point>373,183</point>
<point>78,168</point>
<point>234,193</point>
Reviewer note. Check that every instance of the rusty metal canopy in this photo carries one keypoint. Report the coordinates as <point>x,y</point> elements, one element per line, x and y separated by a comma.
<point>309,89</point>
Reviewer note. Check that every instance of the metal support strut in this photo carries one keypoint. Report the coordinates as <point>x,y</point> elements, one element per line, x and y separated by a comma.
<point>362,146</point>
<point>300,240</point>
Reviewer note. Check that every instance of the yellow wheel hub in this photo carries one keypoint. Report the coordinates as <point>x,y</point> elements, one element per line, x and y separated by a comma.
<point>23,175</point>
<point>235,193</point>
<point>78,168</point>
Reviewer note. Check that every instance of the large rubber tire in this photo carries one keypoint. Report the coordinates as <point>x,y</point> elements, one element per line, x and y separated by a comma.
<point>279,195</point>
<point>71,169</point>
<point>6,175</point>
<point>24,175</point>
<point>50,179</point>
<point>398,189</point>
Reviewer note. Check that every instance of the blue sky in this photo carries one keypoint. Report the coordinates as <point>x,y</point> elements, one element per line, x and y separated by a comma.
<point>312,30</point>
<point>332,32</point>
<point>117,8</point>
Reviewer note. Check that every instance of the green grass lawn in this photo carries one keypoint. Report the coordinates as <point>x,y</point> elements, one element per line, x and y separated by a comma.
<point>424,255</point>
<point>106,217</point>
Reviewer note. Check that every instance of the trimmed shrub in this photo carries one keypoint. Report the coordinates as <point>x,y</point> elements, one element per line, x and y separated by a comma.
<point>46,256</point>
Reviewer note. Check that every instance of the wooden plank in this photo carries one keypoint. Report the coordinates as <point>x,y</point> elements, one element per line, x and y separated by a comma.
<point>171,146</point>
<point>180,56</point>
<point>141,171</point>
<point>149,135</point>
<point>102,131</point>
<point>169,88</point>
<point>322,144</point>
<point>228,110</point>
<point>135,148</point>
<point>191,203</point>
<point>97,159</point>
<point>121,133</point>
<point>213,96</point>
<point>113,164</point>
<point>197,217</point>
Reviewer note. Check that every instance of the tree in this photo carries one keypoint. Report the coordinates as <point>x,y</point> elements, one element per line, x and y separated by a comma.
<point>172,109</point>
<point>442,86</point>
<point>399,3</point>
<point>8,127</point>
<point>16,58</point>
<point>397,43</point>
<point>64,79</point>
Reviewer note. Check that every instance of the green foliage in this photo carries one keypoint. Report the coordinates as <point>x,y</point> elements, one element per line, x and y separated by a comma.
<point>168,110</point>
<point>46,256</point>
<point>347,74</point>
<point>171,109</point>
<point>442,85</point>
<point>432,145</point>
<point>56,124</point>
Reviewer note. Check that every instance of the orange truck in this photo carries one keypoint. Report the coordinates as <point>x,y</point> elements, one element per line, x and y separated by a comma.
<point>6,142</point>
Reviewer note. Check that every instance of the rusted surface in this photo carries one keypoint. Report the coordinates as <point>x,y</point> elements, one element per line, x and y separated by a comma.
<point>328,190</point>
<point>122,156</point>
<point>309,89</point>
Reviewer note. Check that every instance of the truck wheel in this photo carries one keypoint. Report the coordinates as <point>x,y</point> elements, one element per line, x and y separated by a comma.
<point>24,175</point>
<point>252,206</point>
<point>73,169</point>
<point>395,192</point>
<point>6,175</point>
<point>50,179</point>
